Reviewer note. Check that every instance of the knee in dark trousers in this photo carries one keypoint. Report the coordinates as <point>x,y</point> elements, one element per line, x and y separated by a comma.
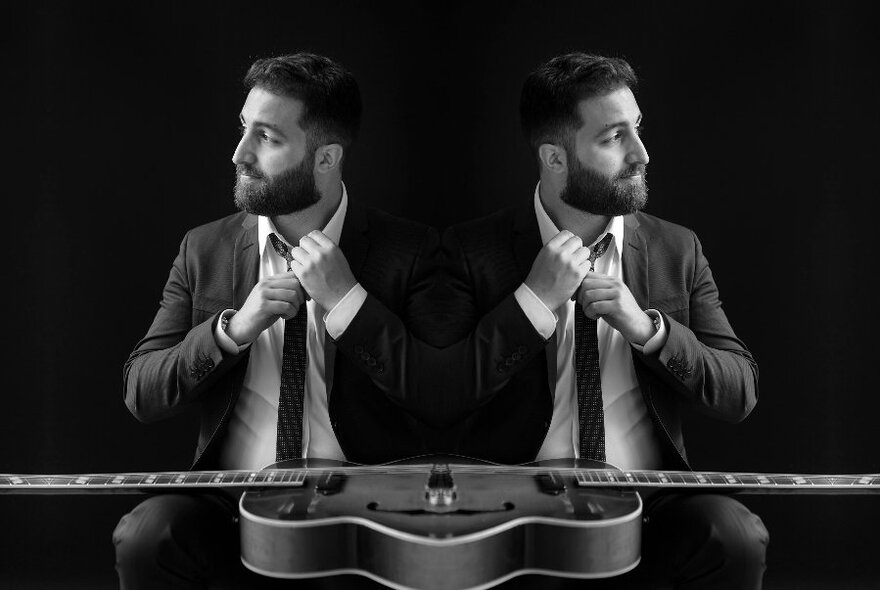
<point>176,541</point>
<point>705,541</point>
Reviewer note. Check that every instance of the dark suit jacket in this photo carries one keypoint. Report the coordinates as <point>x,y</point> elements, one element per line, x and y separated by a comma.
<point>178,364</point>
<point>702,364</point>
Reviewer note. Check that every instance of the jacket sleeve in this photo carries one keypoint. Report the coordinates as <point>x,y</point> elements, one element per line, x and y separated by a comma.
<point>178,360</point>
<point>702,360</point>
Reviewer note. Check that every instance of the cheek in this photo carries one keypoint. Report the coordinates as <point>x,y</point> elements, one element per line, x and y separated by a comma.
<point>274,164</point>
<point>607,163</point>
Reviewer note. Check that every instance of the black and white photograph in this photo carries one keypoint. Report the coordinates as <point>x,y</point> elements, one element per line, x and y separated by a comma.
<point>440,296</point>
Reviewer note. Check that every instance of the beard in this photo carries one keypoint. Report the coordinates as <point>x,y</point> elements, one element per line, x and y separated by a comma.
<point>595,193</point>
<point>288,192</point>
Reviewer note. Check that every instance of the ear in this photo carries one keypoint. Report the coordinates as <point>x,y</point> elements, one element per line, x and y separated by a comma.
<point>552,157</point>
<point>328,158</point>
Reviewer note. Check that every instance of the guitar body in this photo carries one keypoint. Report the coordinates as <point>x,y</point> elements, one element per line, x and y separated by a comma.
<point>440,525</point>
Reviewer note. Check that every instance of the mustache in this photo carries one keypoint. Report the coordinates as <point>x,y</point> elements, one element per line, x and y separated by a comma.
<point>635,169</point>
<point>244,169</point>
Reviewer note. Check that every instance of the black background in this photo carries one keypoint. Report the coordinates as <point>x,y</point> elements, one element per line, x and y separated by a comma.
<point>760,122</point>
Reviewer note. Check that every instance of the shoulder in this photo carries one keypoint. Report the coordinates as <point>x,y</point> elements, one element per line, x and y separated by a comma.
<point>386,227</point>
<point>662,233</point>
<point>499,222</point>
<point>226,229</point>
<point>493,230</point>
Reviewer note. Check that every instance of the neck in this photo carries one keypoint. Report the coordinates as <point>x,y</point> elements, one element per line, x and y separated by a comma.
<point>294,226</point>
<point>587,226</point>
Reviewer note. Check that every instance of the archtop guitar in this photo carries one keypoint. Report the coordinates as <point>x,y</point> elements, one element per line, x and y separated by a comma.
<point>440,523</point>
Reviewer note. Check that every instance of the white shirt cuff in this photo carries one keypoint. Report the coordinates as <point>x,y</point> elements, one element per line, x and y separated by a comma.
<point>337,319</point>
<point>657,340</point>
<point>226,343</point>
<point>542,317</point>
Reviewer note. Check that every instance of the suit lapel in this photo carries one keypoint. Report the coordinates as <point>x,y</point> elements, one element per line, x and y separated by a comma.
<point>526,240</point>
<point>526,245</point>
<point>635,261</point>
<point>354,241</point>
<point>354,245</point>
<point>245,262</point>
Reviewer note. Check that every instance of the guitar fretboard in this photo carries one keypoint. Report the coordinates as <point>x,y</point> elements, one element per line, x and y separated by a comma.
<point>734,482</point>
<point>148,482</point>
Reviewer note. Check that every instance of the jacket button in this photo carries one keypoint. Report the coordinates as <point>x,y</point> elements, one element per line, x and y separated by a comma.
<point>364,356</point>
<point>522,349</point>
<point>358,348</point>
<point>371,362</point>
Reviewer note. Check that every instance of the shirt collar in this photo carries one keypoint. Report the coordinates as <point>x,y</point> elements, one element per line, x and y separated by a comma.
<point>332,230</point>
<point>548,228</point>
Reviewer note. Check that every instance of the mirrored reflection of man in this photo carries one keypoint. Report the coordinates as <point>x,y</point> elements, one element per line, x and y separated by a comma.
<point>295,268</point>
<point>581,278</point>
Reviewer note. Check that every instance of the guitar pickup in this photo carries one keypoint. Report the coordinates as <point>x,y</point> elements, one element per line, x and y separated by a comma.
<point>330,483</point>
<point>550,483</point>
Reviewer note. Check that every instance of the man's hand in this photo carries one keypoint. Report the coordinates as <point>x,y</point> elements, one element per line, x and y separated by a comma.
<point>278,296</point>
<point>608,298</point>
<point>558,269</point>
<point>322,269</point>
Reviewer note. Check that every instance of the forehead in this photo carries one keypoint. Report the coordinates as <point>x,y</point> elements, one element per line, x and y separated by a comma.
<point>262,106</point>
<point>605,111</point>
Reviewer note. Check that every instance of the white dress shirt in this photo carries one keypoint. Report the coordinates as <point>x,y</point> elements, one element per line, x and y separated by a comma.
<point>251,436</point>
<point>630,440</point>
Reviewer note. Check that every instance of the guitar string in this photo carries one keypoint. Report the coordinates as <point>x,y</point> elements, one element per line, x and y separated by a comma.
<point>595,476</point>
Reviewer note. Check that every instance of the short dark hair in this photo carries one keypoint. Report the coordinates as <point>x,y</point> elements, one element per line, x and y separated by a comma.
<point>329,93</point>
<point>548,106</point>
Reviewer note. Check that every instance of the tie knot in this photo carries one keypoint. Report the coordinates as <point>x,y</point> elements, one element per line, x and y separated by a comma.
<point>281,248</point>
<point>599,249</point>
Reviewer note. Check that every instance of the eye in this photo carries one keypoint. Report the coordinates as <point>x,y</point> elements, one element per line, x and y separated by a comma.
<point>612,138</point>
<point>267,138</point>
<point>640,129</point>
<point>241,130</point>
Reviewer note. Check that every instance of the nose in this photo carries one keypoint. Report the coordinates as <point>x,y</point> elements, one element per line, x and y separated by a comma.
<point>243,153</point>
<point>637,152</point>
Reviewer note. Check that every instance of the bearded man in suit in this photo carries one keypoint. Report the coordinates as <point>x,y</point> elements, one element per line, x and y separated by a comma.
<point>582,258</point>
<point>224,339</point>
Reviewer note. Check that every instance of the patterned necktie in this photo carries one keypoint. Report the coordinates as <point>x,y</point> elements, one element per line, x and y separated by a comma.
<point>591,417</point>
<point>288,442</point>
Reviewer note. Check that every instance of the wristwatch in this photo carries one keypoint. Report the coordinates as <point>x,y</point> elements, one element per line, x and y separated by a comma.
<point>656,318</point>
<point>224,322</point>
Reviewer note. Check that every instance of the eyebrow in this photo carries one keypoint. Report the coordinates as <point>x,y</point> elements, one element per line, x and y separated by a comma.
<point>610,126</point>
<point>265,125</point>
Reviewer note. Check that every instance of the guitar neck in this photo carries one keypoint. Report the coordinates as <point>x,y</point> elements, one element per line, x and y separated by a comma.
<point>744,483</point>
<point>142,483</point>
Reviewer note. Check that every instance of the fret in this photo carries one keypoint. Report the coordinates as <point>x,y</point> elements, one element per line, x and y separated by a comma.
<point>715,479</point>
<point>681,478</point>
